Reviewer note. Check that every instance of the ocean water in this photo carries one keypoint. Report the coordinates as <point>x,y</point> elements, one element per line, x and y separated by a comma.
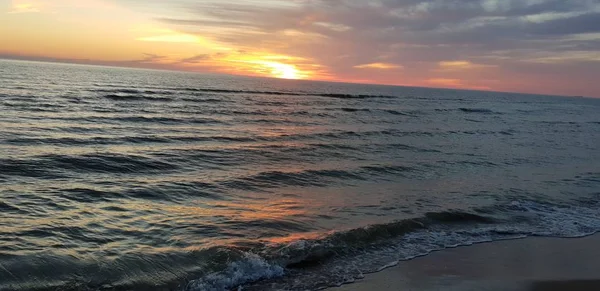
<point>129,179</point>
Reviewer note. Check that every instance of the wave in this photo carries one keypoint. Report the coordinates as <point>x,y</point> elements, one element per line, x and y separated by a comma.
<point>56,166</point>
<point>6,207</point>
<point>319,178</point>
<point>134,91</point>
<point>86,195</point>
<point>352,96</point>
<point>478,110</point>
<point>330,95</point>
<point>204,100</point>
<point>344,256</point>
<point>73,141</point>
<point>346,109</point>
<point>305,264</point>
<point>396,112</point>
<point>250,268</point>
<point>119,119</point>
<point>162,119</point>
<point>115,97</point>
<point>331,136</point>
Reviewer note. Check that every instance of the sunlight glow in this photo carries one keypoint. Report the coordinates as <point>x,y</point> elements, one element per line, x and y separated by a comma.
<point>176,38</point>
<point>24,7</point>
<point>283,71</point>
<point>264,64</point>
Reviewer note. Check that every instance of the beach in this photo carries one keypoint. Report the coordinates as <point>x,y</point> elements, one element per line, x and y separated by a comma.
<point>533,264</point>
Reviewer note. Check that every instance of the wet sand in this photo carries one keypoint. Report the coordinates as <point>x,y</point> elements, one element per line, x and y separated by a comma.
<point>530,264</point>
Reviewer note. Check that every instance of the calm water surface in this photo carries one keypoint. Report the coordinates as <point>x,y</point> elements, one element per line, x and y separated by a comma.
<point>126,179</point>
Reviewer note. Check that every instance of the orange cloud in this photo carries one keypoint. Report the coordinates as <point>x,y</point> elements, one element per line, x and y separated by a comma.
<point>382,66</point>
<point>459,65</point>
<point>255,63</point>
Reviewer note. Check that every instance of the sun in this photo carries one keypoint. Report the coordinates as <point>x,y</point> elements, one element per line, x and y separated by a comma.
<point>269,66</point>
<point>283,71</point>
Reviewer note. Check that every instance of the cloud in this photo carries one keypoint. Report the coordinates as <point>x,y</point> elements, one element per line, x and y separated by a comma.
<point>382,66</point>
<point>197,58</point>
<point>453,43</point>
<point>443,43</point>
<point>460,65</point>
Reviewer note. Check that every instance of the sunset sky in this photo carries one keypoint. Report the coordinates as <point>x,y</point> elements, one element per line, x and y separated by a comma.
<point>536,46</point>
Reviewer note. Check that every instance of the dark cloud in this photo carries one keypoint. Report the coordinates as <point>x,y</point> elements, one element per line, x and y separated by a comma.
<point>197,58</point>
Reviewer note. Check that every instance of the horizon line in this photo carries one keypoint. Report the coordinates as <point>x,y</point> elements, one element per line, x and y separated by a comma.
<point>114,64</point>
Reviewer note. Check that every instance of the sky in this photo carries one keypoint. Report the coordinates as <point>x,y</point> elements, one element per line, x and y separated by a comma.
<point>532,46</point>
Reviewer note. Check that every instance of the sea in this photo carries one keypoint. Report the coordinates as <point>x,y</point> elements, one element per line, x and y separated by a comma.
<point>135,179</point>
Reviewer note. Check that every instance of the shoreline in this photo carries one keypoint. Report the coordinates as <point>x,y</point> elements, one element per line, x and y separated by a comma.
<point>532,264</point>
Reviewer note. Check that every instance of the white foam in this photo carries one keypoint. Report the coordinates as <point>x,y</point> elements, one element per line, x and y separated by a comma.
<point>250,269</point>
<point>522,219</point>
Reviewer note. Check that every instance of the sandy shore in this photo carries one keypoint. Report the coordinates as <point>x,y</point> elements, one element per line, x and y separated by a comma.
<point>532,264</point>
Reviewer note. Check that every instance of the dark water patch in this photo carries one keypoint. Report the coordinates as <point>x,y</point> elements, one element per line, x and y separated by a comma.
<point>133,91</point>
<point>557,122</point>
<point>38,109</point>
<point>249,112</point>
<point>115,97</point>
<point>387,170</point>
<point>360,134</point>
<point>351,96</point>
<point>507,132</point>
<point>473,132</point>
<point>274,179</point>
<point>72,141</point>
<point>105,163</point>
<point>318,178</point>
<point>347,109</point>
<point>118,90</point>
<point>400,146</point>
<point>164,120</point>
<point>396,112</point>
<point>470,163</point>
<point>87,195</point>
<point>458,217</point>
<point>114,209</point>
<point>9,208</point>
<point>179,191</point>
<point>205,100</point>
<point>60,232</point>
<point>208,90</point>
<point>477,110</point>
<point>331,95</point>
<point>271,225</point>
<point>25,168</point>
<point>333,146</point>
<point>119,119</point>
